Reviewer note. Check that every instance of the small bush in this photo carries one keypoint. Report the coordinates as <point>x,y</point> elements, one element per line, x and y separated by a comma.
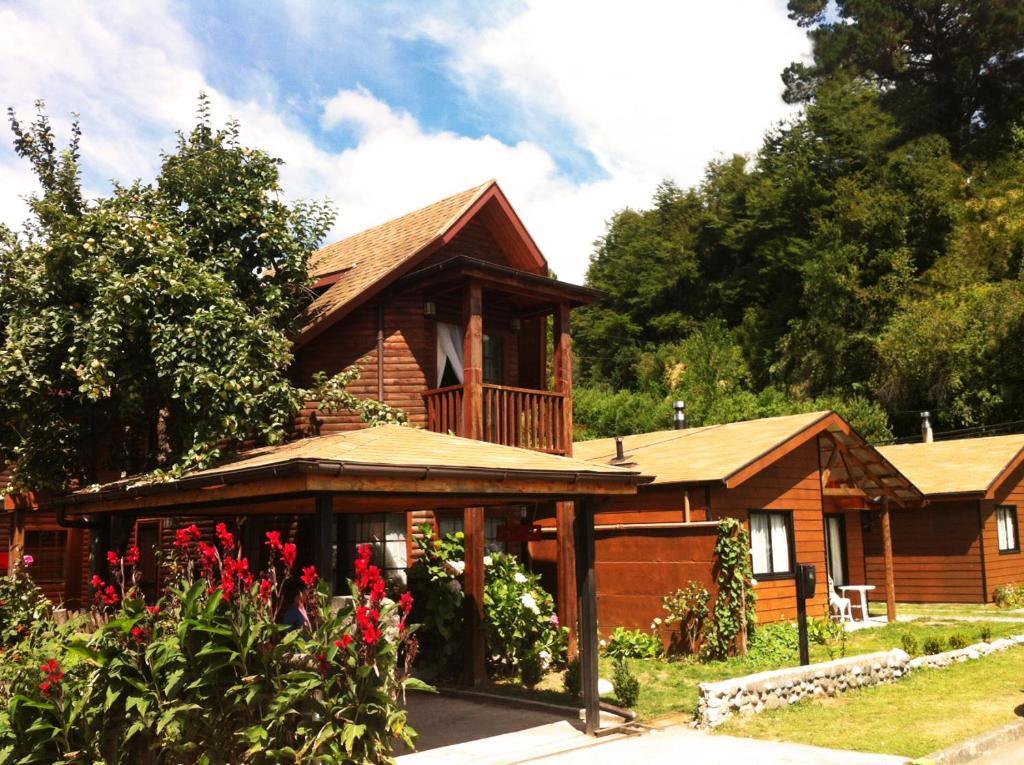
<point>986,633</point>
<point>1010,596</point>
<point>531,670</point>
<point>573,679</point>
<point>932,645</point>
<point>832,635</point>
<point>775,644</point>
<point>626,685</point>
<point>23,606</point>
<point>689,609</point>
<point>633,644</point>
<point>958,640</point>
<point>910,645</point>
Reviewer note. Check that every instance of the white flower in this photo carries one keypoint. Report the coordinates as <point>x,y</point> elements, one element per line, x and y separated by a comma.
<point>753,583</point>
<point>454,585</point>
<point>520,578</point>
<point>657,620</point>
<point>545,659</point>
<point>528,601</point>
<point>454,567</point>
<point>487,560</point>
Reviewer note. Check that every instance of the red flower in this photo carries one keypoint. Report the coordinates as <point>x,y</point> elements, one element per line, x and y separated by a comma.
<point>377,592</point>
<point>53,677</point>
<point>266,590</point>
<point>112,558</point>
<point>227,539</point>
<point>131,558</point>
<point>406,602</point>
<point>274,540</point>
<point>367,620</point>
<point>208,556</point>
<point>45,688</point>
<point>137,634</point>
<point>153,610</point>
<point>309,576</point>
<point>288,555</point>
<point>97,583</point>
<point>110,596</point>
<point>183,538</point>
<point>344,642</point>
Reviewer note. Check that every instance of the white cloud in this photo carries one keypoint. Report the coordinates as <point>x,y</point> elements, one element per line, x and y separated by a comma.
<point>651,90</point>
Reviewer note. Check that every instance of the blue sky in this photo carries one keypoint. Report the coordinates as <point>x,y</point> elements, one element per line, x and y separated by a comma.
<point>577,108</point>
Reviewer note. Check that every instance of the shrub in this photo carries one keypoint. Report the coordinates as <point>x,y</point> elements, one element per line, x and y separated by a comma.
<point>1010,596</point>
<point>633,644</point>
<point>436,586</point>
<point>626,684</point>
<point>207,675</point>
<point>689,609</point>
<point>734,613</point>
<point>932,645</point>
<point>23,606</point>
<point>775,644</point>
<point>910,644</point>
<point>958,640</point>
<point>832,635</point>
<point>572,682</point>
<point>986,633</point>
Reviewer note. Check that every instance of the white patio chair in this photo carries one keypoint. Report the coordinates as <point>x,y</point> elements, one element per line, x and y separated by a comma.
<point>843,606</point>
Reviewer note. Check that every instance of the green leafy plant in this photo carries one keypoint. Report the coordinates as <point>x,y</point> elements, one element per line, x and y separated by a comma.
<point>626,684</point>
<point>829,634</point>
<point>633,644</point>
<point>572,680</point>
<point>986,633</point>
<point>932,646</point>
<point>1009,596</point>
<point>23,606</point>
<point>910,644</point>
<point>733,616</point>
<point>775,644</point>
<point>435,582</point>
<point>689,609</point>
<point>958,640</point>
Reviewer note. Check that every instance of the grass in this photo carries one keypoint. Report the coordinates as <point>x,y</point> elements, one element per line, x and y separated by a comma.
<point>964,610</point>
<point>928,711</point>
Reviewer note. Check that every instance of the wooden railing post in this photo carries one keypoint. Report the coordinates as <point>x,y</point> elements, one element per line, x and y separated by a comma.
<point>563,373</point>
<point>473,363</point>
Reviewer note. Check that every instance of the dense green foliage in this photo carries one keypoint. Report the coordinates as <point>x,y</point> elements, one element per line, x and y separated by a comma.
<point>868,258</point>
<point>632,644</point>
<point>733,616</point>
<point>22,604</point>
<point>207,675</point>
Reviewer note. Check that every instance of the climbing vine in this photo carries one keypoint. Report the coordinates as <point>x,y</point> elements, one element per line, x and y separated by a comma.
<point>733,615</point>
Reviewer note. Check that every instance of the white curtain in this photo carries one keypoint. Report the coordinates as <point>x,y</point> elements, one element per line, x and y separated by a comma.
<point>835,551</point>
<point>449,349</point>
<point>759,545</point>
<point>1004,524</point>
<point>780,543</point>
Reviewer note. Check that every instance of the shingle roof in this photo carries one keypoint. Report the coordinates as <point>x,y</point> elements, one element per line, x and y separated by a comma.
<point>961,466</point>
<point>367,257</point>
<point>698,455</point>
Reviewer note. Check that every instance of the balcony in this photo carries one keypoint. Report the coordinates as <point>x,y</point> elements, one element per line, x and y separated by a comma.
<point>530,419</point>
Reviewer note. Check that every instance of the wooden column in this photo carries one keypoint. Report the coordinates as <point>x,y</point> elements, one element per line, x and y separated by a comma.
<point>562,363</point>
<point>475,672</point>
<point>586,588</point>
<point>325,540</point>
<point>473,362</point>
<point>73,568</point>
<point>890,585</point>
<point>565,516</point>
<point>99,545</point>
<point>17,548</point>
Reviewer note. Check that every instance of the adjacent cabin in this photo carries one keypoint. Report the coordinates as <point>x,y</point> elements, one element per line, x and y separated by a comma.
<point>780,476</point>
<point>965,542</point>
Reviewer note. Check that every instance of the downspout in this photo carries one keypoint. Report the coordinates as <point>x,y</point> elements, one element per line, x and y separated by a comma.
<point>981,545</point>
<point>380,351</point>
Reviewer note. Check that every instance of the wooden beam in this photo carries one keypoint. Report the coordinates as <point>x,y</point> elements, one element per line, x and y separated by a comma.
<point>565,517</point>
<point>563,371</point>
<point>475,670</point>
<point>890,585</point>
<point>325,540</point>
<point>473,362</point>
<point>586,589</point>
<point>17,548</point>
<point>843,491</point>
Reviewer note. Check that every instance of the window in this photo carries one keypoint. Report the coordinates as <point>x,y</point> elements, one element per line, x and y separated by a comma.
<point>770,536</point>
<point>449,524</point>
<point>1006,524</point>
<point>47,547</point>
<point>385,532</point>
<point>494,360</point>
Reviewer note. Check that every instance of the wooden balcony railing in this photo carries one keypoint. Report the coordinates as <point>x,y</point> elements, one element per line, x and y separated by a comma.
<point>531,419</point>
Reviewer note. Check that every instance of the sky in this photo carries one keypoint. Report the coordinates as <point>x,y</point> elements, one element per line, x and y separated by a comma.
<point>578,109</point>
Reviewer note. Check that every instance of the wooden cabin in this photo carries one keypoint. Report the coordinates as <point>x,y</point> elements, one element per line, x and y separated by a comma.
<point>965,542</point>
<point>769,473</point>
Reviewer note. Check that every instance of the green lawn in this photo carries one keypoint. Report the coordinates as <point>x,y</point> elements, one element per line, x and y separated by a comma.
<point>970,610</point>
<point>928,711</point>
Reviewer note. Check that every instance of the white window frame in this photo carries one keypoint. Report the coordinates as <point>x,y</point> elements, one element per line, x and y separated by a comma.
<point>774,556</point>
<point>1007,530</point>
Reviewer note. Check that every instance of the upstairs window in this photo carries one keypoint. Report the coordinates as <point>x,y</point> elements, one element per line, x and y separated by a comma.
<point>1006,525</point>
<point>770,543</point>
<point>494,360</point>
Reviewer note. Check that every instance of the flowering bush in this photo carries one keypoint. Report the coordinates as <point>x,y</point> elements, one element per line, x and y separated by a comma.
<point>520,624</point>
<point>22,604</point>
<point>208,675</point>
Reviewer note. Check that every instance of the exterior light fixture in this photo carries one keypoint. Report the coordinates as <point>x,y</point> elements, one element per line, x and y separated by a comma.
<point>430,308</point>
<point>515,324</point>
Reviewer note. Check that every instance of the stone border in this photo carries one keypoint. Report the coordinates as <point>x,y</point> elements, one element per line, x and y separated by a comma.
<point>751,694</point>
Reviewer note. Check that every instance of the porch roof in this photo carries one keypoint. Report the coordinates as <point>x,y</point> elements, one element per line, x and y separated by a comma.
<point>387,461</point>
<point>733,452</point>
<point>971,466</point>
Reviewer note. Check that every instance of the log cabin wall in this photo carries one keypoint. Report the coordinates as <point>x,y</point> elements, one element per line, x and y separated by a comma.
<point>936,553</point>
<point>1003,567</point>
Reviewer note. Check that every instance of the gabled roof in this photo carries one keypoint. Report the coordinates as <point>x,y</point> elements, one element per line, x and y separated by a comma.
<point>962,466</point>
<point>408,460</point>
<point>732,453</point>
<point>359,266</point>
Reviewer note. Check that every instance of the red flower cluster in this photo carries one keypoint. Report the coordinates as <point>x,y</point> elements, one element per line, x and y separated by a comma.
<point>266,590</point>
<point>234,573</point>
<point>344,642</point>
<point>406,605</point>
<point>225,537</point>
<point>153,610</point>
<point>104,594</point>
<point>288,554</point>
<point>309,576</point>
<point>53,677</point>
<point>113,559</point>
<point>186,537</point>
<point>139,634</point>
<point>274,540</point>
<point>287,549</point>
<point>131,558</point>
<point>368,620</point>
<point>208,557</point>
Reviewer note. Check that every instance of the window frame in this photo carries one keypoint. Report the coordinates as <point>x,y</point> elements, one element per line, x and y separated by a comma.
<point>495,360</point>
<point>790,540</point>
<point>1012,510</point>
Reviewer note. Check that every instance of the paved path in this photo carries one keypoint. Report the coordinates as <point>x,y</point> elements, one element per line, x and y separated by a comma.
<point>1011,753</point>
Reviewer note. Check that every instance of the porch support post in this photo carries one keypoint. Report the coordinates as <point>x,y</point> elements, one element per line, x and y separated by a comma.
<point>473,362</point>
<point>563,372</point>
<point>325,536</point>
<point>565,517</point>
<point>890,585</point>
<point>586,587</point>
<point>475,671</point>
<point>17,548</point>
<point>99,544</point>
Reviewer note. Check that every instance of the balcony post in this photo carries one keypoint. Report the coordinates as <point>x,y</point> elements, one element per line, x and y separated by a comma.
<point>563,372</point>
<point>473,362</point>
